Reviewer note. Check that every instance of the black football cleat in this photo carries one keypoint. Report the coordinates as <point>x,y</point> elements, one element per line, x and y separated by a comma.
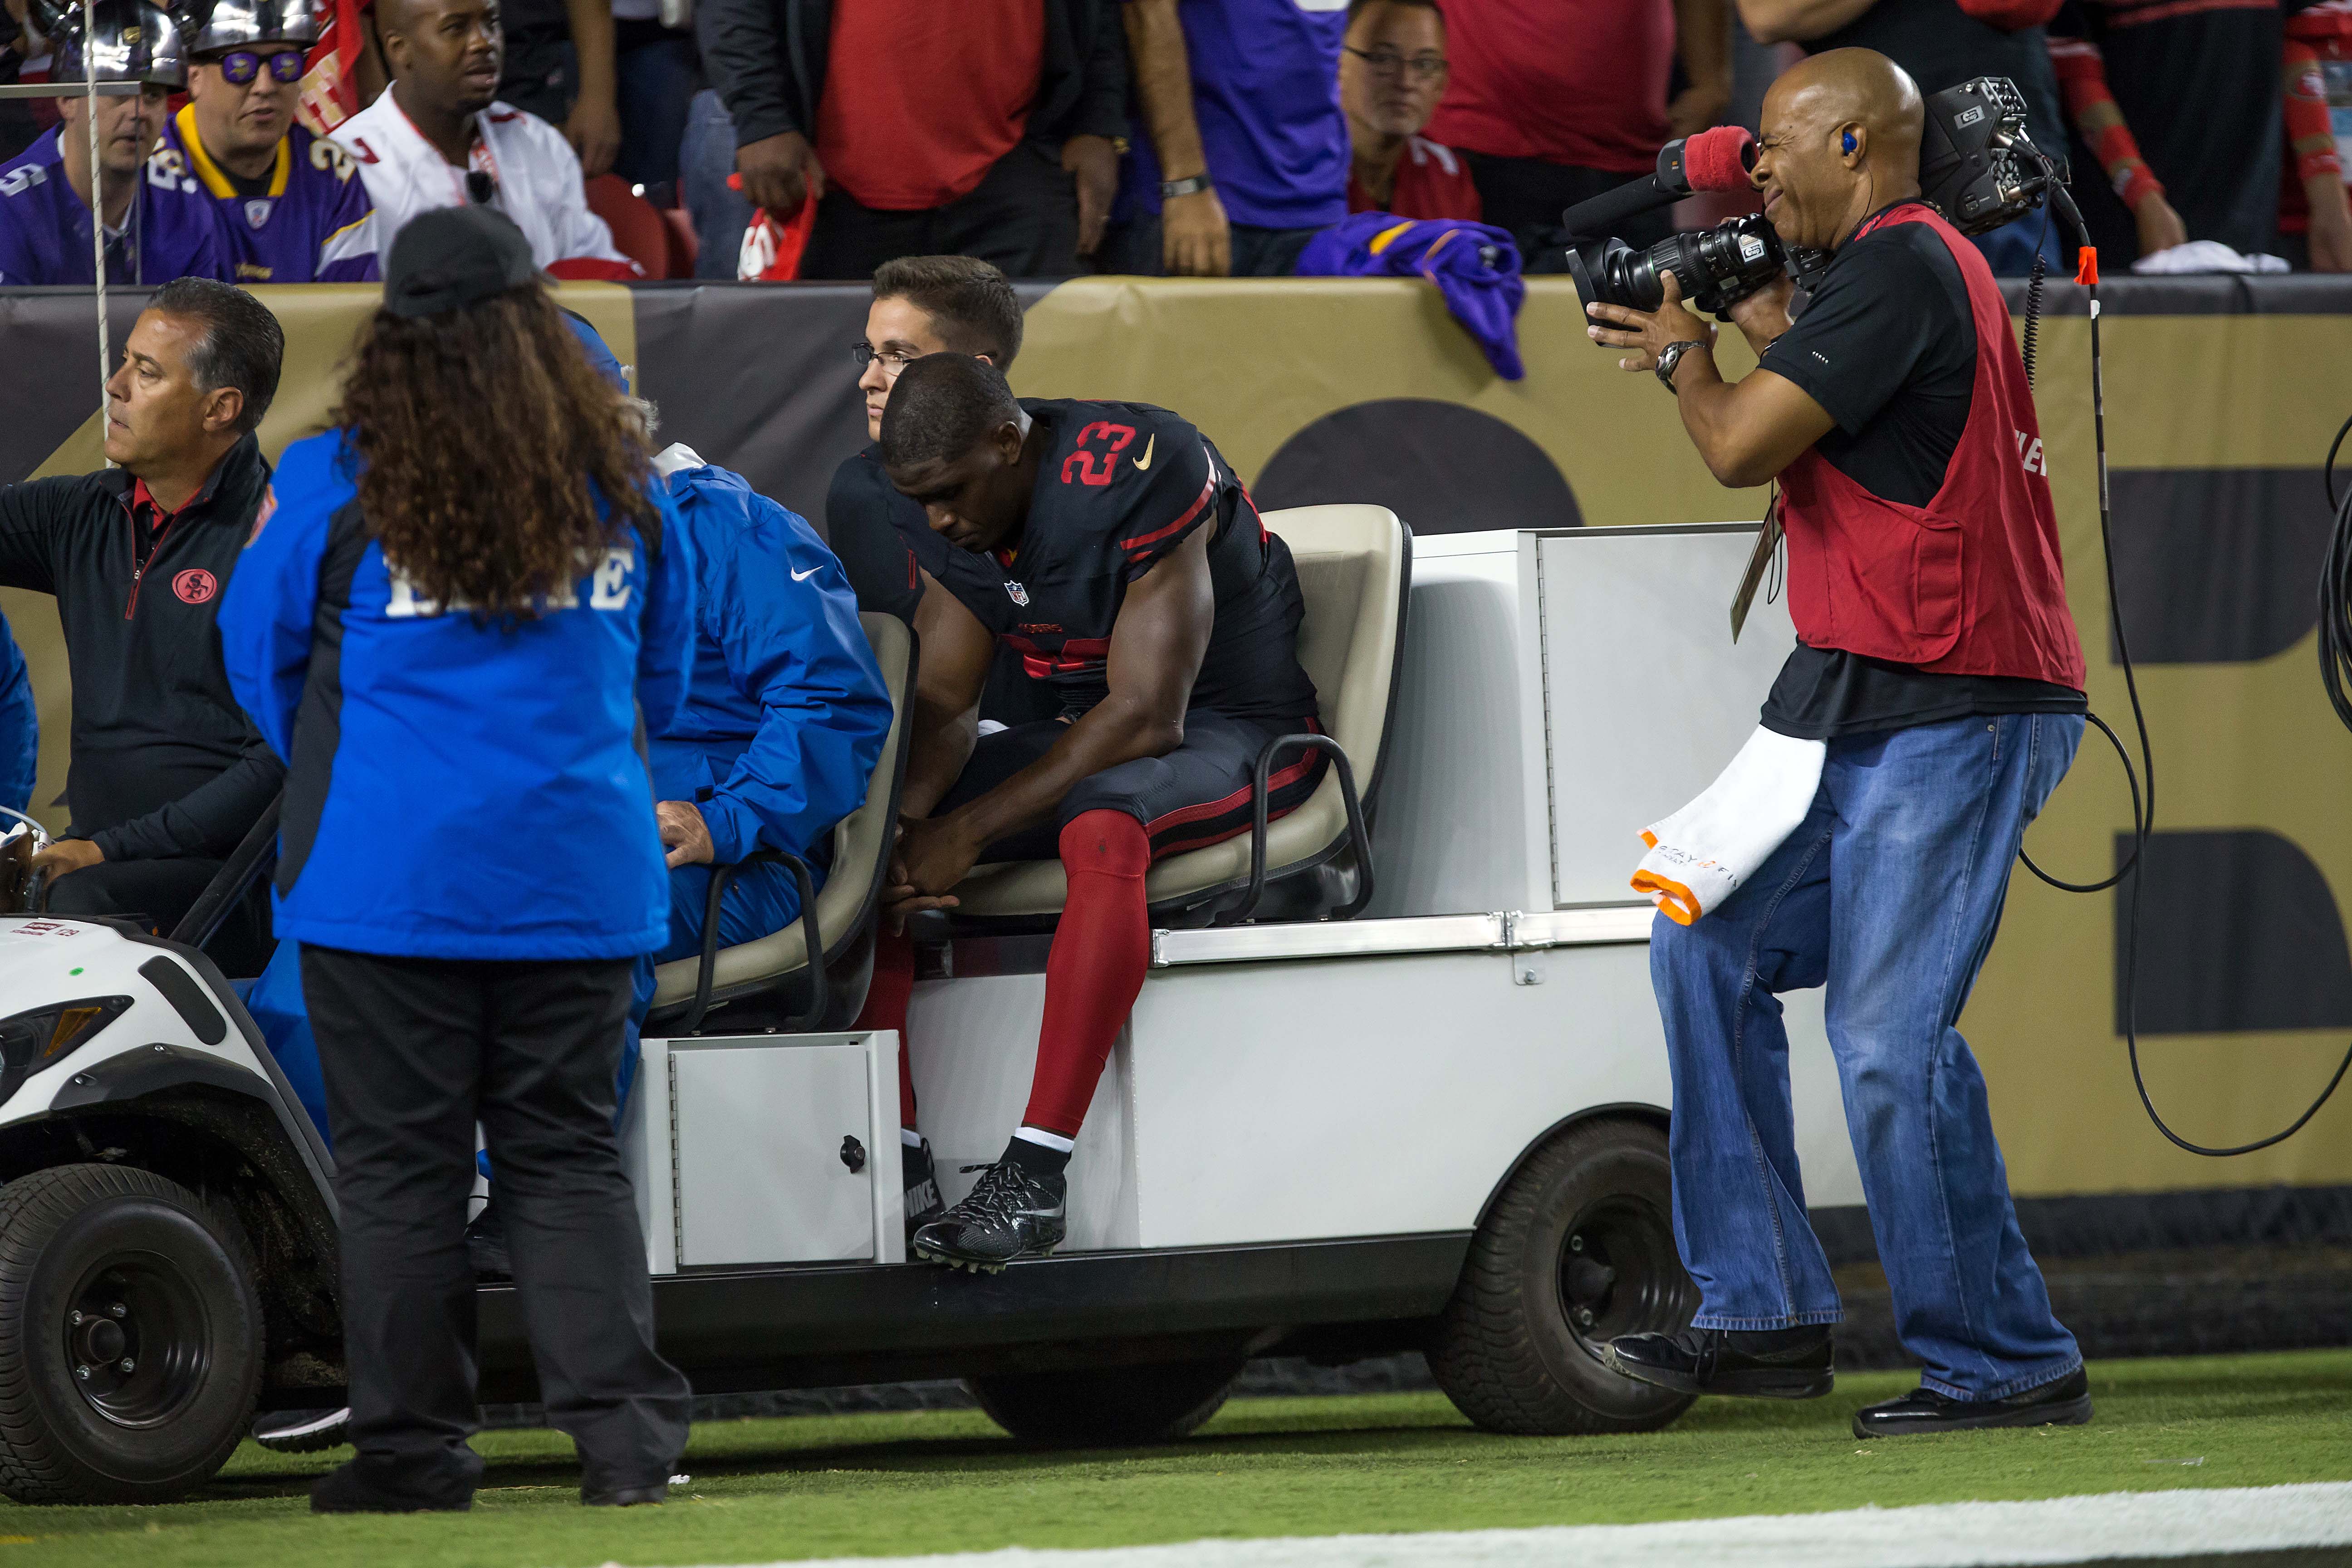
<point>2065,1402</point>
<point>1013,1213</point>
<point>924,1204</point>
<point>1775,1363</point>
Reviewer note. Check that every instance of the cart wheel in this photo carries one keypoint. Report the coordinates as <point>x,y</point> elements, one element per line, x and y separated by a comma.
<point>1111,1406</point>
<point>1578,1249</point>
<point>129,1338</point>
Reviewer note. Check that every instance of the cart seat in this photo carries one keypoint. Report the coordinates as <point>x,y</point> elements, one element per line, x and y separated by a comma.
<point>778,964</point>
<point>1355,570</point>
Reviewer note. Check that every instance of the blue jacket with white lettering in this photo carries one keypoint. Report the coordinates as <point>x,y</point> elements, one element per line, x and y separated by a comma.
<point>787,712</point>
<point>455,789</point>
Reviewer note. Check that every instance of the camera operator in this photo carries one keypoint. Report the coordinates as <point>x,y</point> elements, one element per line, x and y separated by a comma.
<point>1940,666</point>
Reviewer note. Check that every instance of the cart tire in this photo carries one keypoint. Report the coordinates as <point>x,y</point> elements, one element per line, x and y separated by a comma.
<point>1106,1407</point>
<point>1578,1249</point>
<point>104,1268</point>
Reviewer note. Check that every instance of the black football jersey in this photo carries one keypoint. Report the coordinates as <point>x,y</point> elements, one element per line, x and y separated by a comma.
<point>1121,486</point>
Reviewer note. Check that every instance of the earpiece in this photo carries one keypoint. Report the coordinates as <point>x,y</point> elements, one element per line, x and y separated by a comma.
<point>1849,141</point>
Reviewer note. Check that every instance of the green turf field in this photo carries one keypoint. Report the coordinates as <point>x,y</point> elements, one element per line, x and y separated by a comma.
<point>882,1484</point>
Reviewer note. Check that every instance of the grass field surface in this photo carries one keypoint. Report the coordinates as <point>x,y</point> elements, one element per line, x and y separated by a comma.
<point>944,1481</point>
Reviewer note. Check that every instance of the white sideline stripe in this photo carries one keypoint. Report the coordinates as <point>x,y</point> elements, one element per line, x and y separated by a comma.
<point>1935,1535</point>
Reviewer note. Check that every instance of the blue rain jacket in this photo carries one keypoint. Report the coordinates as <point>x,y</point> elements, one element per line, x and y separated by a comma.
<point>455,789</point>
<point>786,712</point>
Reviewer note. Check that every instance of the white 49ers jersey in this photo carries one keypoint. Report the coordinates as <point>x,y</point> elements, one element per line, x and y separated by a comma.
<point>531,174</point>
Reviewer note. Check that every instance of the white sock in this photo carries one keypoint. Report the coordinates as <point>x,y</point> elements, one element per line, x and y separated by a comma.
<point>910,1138</point>
<point>1046,1139</point>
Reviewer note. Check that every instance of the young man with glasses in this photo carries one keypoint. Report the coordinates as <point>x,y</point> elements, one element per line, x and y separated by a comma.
<point>440,138</point>
<point>1391,71</point>
<point>288,208</point>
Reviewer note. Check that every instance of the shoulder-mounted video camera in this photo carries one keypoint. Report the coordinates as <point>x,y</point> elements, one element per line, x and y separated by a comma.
<point>1977,166</point>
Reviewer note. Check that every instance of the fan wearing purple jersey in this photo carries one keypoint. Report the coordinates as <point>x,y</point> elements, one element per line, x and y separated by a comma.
<point>153,232</point>
<point>289,205</point>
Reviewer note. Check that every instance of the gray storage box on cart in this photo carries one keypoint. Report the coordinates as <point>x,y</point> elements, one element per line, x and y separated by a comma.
<point>767,1149</point>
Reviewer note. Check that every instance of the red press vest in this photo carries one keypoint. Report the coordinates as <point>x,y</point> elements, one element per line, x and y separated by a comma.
<point>1970,584</point>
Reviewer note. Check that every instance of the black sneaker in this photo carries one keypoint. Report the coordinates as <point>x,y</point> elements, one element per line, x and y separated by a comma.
<point>2066,1402</point>
<point>1773,1363</point>
<point>301,1431</point>
<point>924,1204</point>
<point>486,1245</point>
<point>1011,1213</point>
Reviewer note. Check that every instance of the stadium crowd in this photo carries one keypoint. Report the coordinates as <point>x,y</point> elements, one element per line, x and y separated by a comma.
<point>279,139</point>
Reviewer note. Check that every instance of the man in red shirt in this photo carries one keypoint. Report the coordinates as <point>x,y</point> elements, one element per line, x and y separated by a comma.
<point>1391,68</point>
<point>1553,102</point>
<point>1010,156</point>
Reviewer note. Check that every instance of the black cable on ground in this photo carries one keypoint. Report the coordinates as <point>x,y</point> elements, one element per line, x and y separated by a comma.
<point>2335,665</point>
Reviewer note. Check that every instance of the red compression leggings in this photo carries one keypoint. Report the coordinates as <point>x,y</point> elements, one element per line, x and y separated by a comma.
<point>1101,950</point>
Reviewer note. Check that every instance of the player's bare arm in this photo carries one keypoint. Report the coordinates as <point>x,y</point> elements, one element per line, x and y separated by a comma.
<point>945,713</point>
<point>1155,646</point>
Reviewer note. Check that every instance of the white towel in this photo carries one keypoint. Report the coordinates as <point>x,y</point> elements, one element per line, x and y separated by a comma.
<point>2206,256</point>
<point>1703,852</point>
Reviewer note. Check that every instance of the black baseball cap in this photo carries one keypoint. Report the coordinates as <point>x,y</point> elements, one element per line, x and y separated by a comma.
<point>451,257</point>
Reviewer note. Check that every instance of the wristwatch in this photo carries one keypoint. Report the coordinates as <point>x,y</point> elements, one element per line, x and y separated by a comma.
<point>1671,356</point>
<point>1192,185</point>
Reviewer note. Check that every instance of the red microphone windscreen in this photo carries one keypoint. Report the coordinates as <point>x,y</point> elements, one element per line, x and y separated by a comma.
<point>1719,160</point>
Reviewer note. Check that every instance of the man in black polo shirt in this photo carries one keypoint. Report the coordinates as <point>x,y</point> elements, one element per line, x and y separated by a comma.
<point>1114,550</point>
<point>167,771</point>
<point>1939,671</point>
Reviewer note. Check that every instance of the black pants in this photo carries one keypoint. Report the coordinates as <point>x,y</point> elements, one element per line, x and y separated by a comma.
<point>414,1052</point>
<point>1197,795</point>
<point>1526,195</point>
<point>1023,217</point>
<point>158,894</point>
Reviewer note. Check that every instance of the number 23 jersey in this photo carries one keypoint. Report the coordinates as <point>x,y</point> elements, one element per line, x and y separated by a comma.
<point>1120,487</point>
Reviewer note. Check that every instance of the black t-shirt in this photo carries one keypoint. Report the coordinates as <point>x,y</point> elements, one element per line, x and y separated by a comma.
<point>862,522</point>
<point>1887,346</point>
<point>2200,89</point>
<point>1942,46</point>
<point>1120,487</point>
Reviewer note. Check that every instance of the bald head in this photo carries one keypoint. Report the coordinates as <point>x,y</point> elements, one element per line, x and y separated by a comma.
<point>444,55</point>
<point>1841,140</point>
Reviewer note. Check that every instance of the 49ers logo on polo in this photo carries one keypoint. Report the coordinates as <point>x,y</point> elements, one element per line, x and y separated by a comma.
<point>195,585</point>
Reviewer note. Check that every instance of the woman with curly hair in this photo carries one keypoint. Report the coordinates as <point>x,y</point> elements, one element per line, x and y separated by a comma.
<point>448,622</point>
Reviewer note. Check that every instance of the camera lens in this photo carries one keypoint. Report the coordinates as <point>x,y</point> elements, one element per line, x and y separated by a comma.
<point>1717,267</point>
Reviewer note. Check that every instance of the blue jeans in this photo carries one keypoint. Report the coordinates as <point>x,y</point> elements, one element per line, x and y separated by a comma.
<point>655,73</point>
<point>2009,250</point>
<point>705,157</point>
<point>1889,892</point>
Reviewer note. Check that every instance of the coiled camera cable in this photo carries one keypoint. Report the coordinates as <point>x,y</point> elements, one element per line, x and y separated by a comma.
<point>2336,670</point>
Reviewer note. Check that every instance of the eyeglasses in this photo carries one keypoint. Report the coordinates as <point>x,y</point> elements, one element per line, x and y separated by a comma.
<point>1388,62</point>
<point>241,65</point>
<point>893,361</point>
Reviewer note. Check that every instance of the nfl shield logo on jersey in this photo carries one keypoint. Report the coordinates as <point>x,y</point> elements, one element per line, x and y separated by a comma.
<point>256,213</point>
<point>1020,595</point>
